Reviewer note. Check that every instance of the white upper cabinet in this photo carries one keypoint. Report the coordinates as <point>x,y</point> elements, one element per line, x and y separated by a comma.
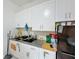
<point>42,16</point>
<point>65,10</point>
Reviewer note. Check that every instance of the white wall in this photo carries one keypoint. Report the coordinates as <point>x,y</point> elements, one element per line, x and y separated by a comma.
<point>23,17</point>
<point>8,22</point>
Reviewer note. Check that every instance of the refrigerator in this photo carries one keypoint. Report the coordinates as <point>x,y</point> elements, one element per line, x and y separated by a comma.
<point>66,41</point>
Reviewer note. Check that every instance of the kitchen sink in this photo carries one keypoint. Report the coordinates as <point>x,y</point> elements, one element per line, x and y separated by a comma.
<point>26,39</point>
<point>29,40</point>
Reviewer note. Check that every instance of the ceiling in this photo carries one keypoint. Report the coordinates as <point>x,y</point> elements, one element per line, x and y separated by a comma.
<point>26,3</point>
<point>22,2</point>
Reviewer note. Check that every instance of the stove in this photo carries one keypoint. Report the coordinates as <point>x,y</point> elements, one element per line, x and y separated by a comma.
<point>66,43</point>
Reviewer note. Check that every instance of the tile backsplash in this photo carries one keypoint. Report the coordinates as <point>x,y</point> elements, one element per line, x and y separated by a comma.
<point>42,34</point>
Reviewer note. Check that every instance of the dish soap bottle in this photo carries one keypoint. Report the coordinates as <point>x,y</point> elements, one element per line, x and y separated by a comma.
<point>54,40</point>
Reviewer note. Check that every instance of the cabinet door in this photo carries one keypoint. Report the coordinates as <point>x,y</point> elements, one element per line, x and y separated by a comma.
<point>49,25</point>
<point>43,16</point>
<point>65,10</point>
<point>36,17</point>
<point>60,10</point>
<point>49,20</point>
<point>44,54</point>
<point>50,55</point>
<point>70,8</point>
<point>41,54</point>
<point>14,48</point>
<point>33,53</point>
<point>24,54</point>
<point>28,52</point>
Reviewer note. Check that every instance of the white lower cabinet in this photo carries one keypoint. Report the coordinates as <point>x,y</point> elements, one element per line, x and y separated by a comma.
<point>24,54</point>
<point>14,48</point>
<point>50,55</point>
<point>34,53</point>
<point>26,51</point>
<point>44,54</point>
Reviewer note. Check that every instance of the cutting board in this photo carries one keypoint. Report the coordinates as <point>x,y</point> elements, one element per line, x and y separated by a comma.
<point>47,47</point>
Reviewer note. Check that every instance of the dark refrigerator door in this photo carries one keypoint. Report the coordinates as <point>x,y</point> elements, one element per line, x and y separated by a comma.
<point>61,55</point>
<point>64,47</point>
<point>66,40</point>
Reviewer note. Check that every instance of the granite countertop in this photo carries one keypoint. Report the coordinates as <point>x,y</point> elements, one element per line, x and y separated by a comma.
<point>37,43</point>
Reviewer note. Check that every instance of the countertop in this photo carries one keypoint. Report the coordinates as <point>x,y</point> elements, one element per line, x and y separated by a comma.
<point>39,44</point>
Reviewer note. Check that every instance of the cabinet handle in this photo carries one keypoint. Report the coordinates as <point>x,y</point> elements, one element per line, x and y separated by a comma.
<point>27,54</point>
<point>45,53</point>
<point>42,27</point>
<point>18,46</point>
<point>70,15</point>
<point>66,15</point>
<point>66,54</point>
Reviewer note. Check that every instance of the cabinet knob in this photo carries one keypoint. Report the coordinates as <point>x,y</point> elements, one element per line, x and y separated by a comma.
<point>27,54</point>
<point>66,15</point>
<point>45,53</point>
<point>18,46</point>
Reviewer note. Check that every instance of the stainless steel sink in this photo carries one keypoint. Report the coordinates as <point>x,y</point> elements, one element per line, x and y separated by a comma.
<point>29,40</point>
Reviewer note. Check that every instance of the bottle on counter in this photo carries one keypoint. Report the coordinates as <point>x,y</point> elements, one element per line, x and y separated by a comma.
<point>54,40</point>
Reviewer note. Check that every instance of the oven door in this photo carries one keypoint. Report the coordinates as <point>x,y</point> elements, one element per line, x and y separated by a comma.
<point>61,55</point>
<point>66,40</point>
<point>63,46</point>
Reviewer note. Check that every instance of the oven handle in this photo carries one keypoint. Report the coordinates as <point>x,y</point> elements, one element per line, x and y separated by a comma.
<point>67,54</point>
